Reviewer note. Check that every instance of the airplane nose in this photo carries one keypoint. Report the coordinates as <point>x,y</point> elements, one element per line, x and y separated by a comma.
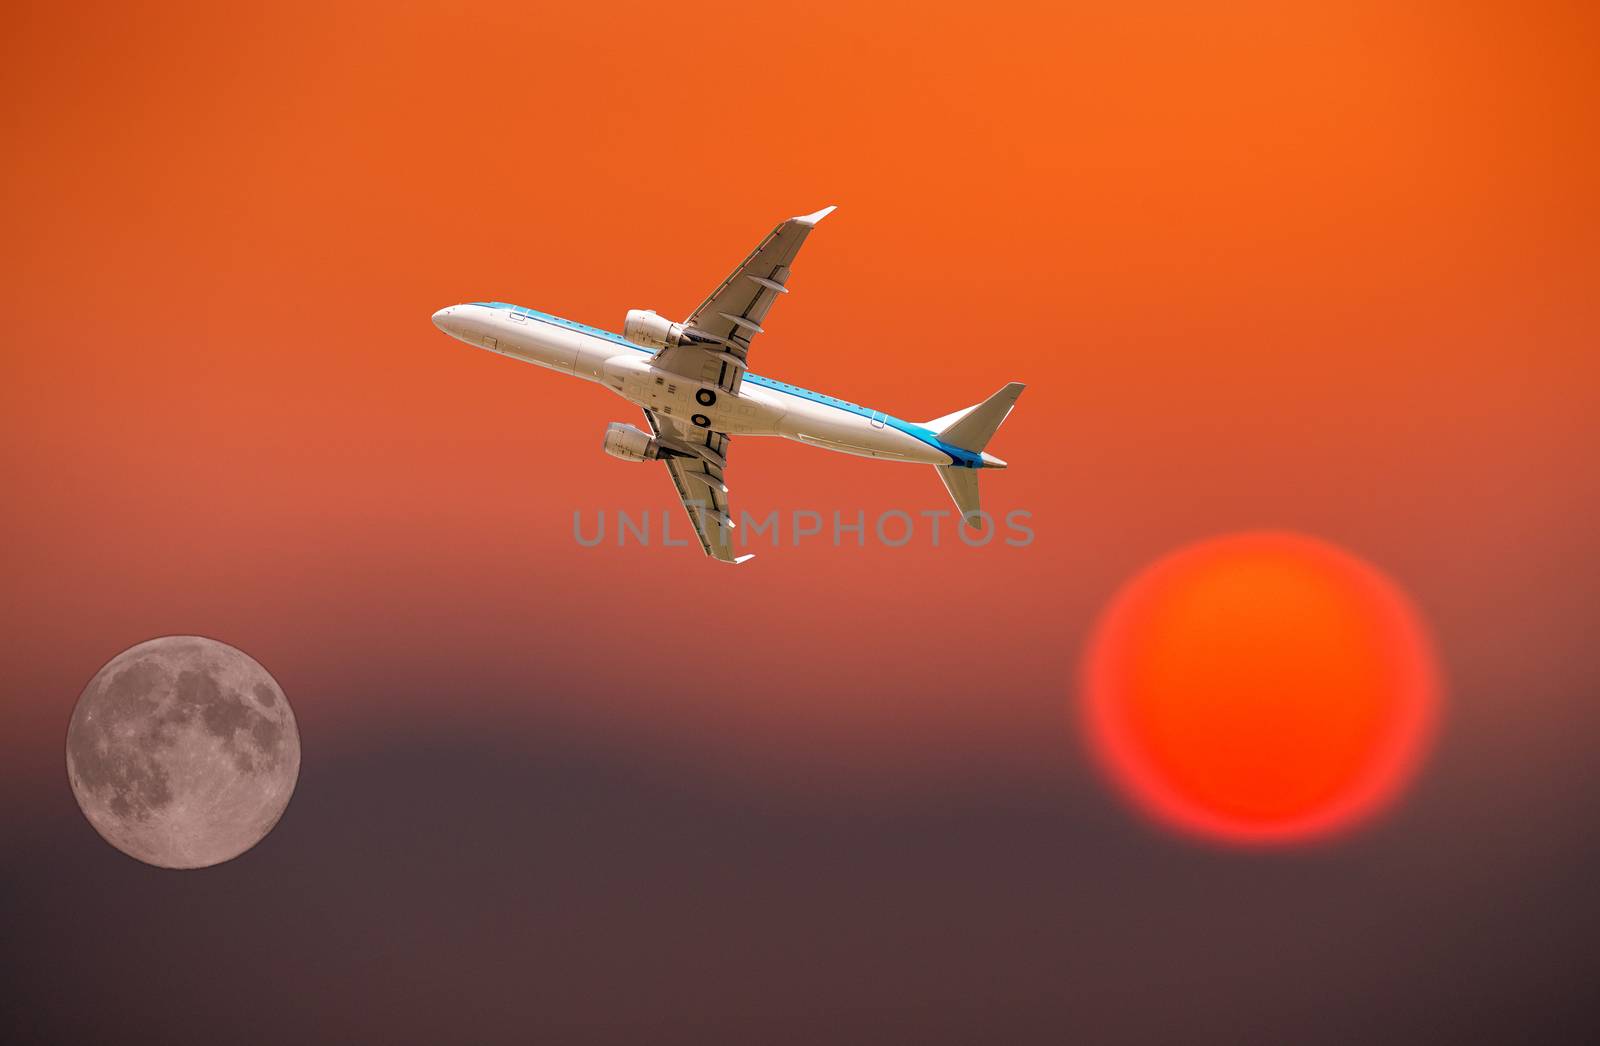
<point>441,319</point>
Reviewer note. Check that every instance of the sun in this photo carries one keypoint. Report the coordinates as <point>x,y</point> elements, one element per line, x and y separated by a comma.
<point>1260,688</point>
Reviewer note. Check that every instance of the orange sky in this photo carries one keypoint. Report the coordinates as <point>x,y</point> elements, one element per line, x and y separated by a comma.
<point>1328,270</point>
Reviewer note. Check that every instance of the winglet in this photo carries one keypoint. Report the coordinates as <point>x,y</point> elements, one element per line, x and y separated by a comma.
<point>741,559</point>
<point>812,219</point>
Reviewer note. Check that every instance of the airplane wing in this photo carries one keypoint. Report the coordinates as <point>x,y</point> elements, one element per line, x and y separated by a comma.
<point>720,330</point>
<point>698,477</point>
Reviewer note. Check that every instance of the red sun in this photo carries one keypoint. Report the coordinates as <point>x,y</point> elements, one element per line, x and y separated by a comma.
<point>1260,688</point>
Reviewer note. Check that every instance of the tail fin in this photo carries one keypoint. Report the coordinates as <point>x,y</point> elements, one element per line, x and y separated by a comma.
<point>971,429</point>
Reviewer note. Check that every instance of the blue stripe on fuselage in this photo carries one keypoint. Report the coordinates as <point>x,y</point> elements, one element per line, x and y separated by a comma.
<point>958,455</point>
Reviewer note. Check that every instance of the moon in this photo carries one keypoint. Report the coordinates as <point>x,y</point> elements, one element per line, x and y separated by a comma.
<point>183,752</point>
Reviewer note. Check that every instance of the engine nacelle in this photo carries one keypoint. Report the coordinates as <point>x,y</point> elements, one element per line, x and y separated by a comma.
<point>630,444</point>
<point>644,327</point>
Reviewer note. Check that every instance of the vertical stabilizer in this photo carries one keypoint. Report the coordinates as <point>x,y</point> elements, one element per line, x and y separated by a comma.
<point>971,429</point>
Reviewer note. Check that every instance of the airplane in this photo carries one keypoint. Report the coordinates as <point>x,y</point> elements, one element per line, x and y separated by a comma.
<point>693,382</point>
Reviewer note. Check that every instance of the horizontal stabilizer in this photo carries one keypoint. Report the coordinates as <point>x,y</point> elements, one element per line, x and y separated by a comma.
<point>962,483</point>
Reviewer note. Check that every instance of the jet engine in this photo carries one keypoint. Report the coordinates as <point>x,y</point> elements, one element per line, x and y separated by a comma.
<point>644,327</point>
<point>630,444</point>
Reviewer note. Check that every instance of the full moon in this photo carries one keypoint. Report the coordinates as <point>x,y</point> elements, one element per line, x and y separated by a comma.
<point>183,752</point>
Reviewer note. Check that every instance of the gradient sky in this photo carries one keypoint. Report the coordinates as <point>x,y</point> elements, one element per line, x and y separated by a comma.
<point>1330,270</point>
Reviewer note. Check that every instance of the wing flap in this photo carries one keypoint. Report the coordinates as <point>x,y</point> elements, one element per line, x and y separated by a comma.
<point>700,482</point>
<point>723,325</point>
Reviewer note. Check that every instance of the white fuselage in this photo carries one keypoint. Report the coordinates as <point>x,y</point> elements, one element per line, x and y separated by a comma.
<point>762,407</point>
